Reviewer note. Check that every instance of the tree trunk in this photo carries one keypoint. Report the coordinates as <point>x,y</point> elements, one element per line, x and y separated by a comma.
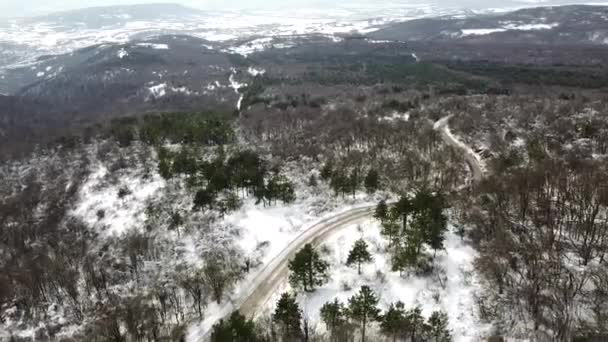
<point>310,273</point>
<point>363,330</point>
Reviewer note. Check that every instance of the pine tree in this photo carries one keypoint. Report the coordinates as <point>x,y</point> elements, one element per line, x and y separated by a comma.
<point>333,315</point>
<point>164,169</point>
<point>184,163</point>
<point>415,324</point>
<point>236,329</point>
<point>403,258</point>
<point>381,212</point>
<point>403,208</point>
<point>391,229</point>
<point>308,269</point>
<point>371,181</point>
<point>435,232</point>
<point>327,171</point>
<point>288,316</point>
<point>358,255</point>
<point>339,182</point>
<point>203,199</point>
<point>437,327</point>
<point>362,308</point>
<point>352,182</point>
<point>312,181</point>
<point>393,323</point>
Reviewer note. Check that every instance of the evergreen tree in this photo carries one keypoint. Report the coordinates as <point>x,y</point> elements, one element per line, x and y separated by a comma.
<point>236,329</point>
<point>415,236</point>
<point>391,229</point>
<point>247,170</point>
<point>288,316</point>
<point>394,323</point>
<point>415,326</point>
<point>339,182</point>
<point>203,199</point>
<point>372,182</point>
<point>308,269</point>
<point>381,212</point>
<point>327,171</point>
<point>175,221</point>
<point>437,327</point>
<point>352,182</point>
<point>403,258</point>
<point>279,187</point>
<point>435,232</point>
<point>184,163</point>
<point>363,309</point>
<point>164,169</point>
<point>430,222</point>
<point>403,208</point>
<point>358,255</point>
<point>312,181</point>
<point>333,315</point>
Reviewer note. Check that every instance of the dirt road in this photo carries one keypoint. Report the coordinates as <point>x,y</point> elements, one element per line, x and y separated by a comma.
<point>276,271</point>
<point>472,158</point>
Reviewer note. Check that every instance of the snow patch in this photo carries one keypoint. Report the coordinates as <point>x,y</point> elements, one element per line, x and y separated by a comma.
<point>40,74</point>
<point>255,72</point>
<point>234,84</point>
<point>183,90</point>
<point>520,27</point>
<point>159,90</point>
<point>119,215</point>
<point>154,46</point>
<point>395,116</point>
<point>122,53</point>
<point>451,288</point>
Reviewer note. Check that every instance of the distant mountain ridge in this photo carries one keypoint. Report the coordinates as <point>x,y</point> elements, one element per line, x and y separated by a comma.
<point>98,17</point>
<point>575,24</point>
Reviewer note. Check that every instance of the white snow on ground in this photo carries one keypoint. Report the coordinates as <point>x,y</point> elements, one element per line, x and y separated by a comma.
<point>481,32</point>
<point>234,84</point>
<point>154,46</point>
<point>40,74</point>
<point>122,53</point>
<point>415,57</point>
<point>266,231</point>
<point>255,72</point>
<point>119,215</point>
<point>252,46</point>
<point>159,90</point>
<point>520,27</point>
<point>183,90</point>
<point>396,116</point>
<point>49,37</point>
<point>452,289</point>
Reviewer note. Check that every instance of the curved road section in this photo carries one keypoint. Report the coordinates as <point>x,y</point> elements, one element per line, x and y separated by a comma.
<point>274,272</point>
<point>472,158</point>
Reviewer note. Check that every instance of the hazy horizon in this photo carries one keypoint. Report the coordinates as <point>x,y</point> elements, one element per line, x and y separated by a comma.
<point>16,8</point>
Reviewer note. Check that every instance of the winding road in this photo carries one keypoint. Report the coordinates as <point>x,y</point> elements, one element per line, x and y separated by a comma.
<point>275,272</point>
<point>472,158</point>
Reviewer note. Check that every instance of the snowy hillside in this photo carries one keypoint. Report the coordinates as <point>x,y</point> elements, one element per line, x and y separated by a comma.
<point>60,33</point>
<point>453,287</point>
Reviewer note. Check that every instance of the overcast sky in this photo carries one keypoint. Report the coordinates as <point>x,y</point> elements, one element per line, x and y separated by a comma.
<point>11,8</point>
